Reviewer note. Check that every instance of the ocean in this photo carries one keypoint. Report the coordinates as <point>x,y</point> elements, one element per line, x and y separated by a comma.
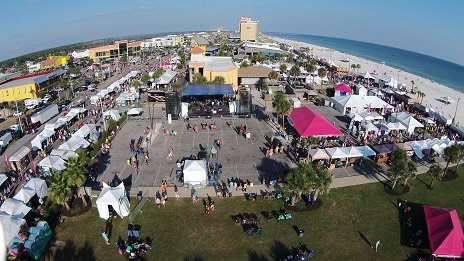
<point>435,69</point>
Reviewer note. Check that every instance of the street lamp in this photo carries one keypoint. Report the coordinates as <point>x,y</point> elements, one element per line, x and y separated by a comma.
<point>456,111</point>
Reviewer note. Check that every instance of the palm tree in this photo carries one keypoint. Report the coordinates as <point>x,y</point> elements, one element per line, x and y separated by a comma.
<point>283,68</point>
<point>145,78</point>
<point>434,172</point>
<point>421,95</point>
<point>401,168</point>
<point>358,66</point>
<point>321,181</point>
<point>218,80</point>
<point>199,79</point>
<point>310,67</point>
<point>322,72</point>
<point>353,66</point>
<point>60,191</point>
<point>244,64</point>
<point>461,156</point>
<point>295,71</point>
<point>298,182</point>
<point>76,174</point>
<point>177,86</point>
<point>274,76</point>
<point>451,155</point>
<point>282,105</point>
<point>411,173</point>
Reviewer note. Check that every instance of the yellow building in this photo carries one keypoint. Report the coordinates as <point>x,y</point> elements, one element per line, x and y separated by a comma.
<point>55,61</point>
<point>27,86</point>
<point>213,66</point>
<point>198,41</point>
<point>248,29</point>
<point>119,49</point>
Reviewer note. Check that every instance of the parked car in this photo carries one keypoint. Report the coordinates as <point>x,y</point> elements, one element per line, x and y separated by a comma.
<point>17,113</point>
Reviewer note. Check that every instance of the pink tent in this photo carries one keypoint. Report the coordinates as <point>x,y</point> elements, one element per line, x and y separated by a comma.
<point>343,88</point>
<point>445,232</point>
<point>309,122</point>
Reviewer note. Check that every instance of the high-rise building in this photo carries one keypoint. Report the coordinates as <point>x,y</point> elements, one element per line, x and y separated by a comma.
<point>248,29</point>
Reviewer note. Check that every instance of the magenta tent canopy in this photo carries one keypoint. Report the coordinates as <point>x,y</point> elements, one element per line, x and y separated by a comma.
<point>445,232</point>
<point>343,88</point>
<point>310,123</point>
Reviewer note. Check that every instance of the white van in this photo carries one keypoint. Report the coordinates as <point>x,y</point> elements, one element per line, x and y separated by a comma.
<point>32,103</point>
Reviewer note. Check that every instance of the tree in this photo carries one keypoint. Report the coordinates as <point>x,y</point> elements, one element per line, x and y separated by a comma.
<point>60,191</point>
<point>264,86</point>
<point>401,168</point>
<point>353,66</point>
<point>199,79</point>
<point>358,66</point>
<point>298,182</point>
<point>460,157</point>
<point>63,85</point>
<point>282,105</point>
<point>421,95</point>
<point>451,154</point>
<point>136,84</point>
<point>76,174</point>
<point>321,180</point>
<point>322,72</point>
<point>74,71</point>
<point>145,78</point>
<point>244,64</point>
<point>434,172</point>
<point>157,73</point>
<point>177,86</point>
<point>283,68</point>
<point>218,80</point>
<point>295,71</point>
<point>273,75</point>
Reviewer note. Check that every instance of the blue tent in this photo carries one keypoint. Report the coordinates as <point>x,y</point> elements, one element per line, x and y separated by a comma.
<point>208,89</point>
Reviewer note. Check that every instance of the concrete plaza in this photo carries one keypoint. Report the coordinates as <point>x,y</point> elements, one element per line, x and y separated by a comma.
<point>239,157</point>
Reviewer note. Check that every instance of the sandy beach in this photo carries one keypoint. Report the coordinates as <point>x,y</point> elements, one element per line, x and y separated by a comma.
<point>432,89</point>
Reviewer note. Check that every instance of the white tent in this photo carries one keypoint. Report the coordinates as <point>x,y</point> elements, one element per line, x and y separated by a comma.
<point>135,111</point>
<point>3,178</point>
<point>15,208</point>
<point>419,146</point>
<point>36,143</point>
<point>74,143</point>
<point>366,151</point>
<point>392,126</point>
<point>351,152</point>
<point>39,186</point>
<point>53,162</point>
<point>64,154</point>
<point>86,131</point>
<point>24,195</point>
<point>407,120</point>
<point>166,78</point>
<point>336,153</point>
<point>10,227</point>
<point>369,126</point>
<point>114,197</point>
<point>20,154</point>
<point>54,125</point>
<point>114,114</point>
<point>367,75</point>
<point>356,103</point>
<point>317,154</point>
<point>195,172</point>
<point>361,90</point>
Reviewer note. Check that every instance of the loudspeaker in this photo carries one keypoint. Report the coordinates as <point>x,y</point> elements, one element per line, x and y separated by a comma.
<point>245,102</point>
<point>172,105</point>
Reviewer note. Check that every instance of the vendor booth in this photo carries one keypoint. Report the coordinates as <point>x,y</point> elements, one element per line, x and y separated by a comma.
<point>15,208</point>
<point>113,114</point>
<point>39,186</point>
<point>10,228</point>
<point>64,154</point>
<point>20,159</point>
<point>337,157</point>
<point>407,120</point>
<point>74,143</point>
<point>445,232</point>
<point>87,131</point>
<point>135,112</point>
<point>25,194</point>
<point>383,152</point>
<point>195,173</point>
<point>113,200</point>
<point>52,163</point>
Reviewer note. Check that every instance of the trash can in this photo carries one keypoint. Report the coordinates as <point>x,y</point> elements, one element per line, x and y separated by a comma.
<point>300,232</point>
<point>139,196</point>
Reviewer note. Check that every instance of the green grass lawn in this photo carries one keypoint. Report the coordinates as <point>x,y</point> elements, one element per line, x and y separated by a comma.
<point>182,231</point>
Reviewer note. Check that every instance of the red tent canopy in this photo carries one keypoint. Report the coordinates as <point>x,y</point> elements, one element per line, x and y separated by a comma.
<point>309,122</point>
<point>445,232</point>
<point>343,88</point>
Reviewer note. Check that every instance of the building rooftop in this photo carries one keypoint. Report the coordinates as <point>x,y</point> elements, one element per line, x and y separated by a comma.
<point>254,72</point>
<point>36,78</point>
<point>214,63</point>
<point>196,49</point>
<point>200,40</point>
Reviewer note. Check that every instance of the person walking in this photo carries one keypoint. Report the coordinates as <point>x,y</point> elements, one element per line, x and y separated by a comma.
<point>105,237</point>
<point>170,153</point>
<point>207,209</point>
<point>163,202</point>
<point>377,245</point>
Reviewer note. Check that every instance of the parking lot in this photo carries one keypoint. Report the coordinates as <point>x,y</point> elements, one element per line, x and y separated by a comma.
<point>239,157</point>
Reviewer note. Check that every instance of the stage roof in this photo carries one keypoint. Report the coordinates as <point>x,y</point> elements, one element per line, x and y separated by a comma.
<point>208,89</point>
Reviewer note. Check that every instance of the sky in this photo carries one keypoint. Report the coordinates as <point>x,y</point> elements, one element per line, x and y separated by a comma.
<point>426,26</point>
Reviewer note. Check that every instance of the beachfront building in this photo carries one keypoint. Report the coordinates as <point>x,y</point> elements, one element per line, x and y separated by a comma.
<point>118,50</point>
<point>27,86</point>
<point>253,75</point>
<point>80,54</point>
<point>55,61</point>
<point>33,67</point>
<point>165,41</point>
<point>212,66</point>
<point>200,42</point>
<point>248,29</point>
<point>267,49</point>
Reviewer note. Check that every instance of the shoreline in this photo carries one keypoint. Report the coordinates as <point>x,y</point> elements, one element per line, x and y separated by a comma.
<point>431,88</point>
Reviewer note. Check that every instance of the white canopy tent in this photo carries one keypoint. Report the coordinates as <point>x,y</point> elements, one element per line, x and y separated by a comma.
<point>369,126</point>
<point>318,154</point>
<point>53,162</point>
<point>10,228</point>
<point>366,151</point>
<point>86,131</point>
<point>74,143</point>
<point>20,154</point>
<point>114,197</point>
<point>356,103</point>
<point>113,114</point>
<point>15,208</point>
<point>166,78</point>
<point>407,120</point>
<point>3,178</point>
<point>195,172</point>
<point>54,125</point>
<point>135,111</point>
<point>64,154</point>
<point>367,75</point>
<point>336,153</point>
<point>351,152</point>
<point>25,194</point>
<point>419,146</point>
<point>39,186</point>
<point>389,126</point>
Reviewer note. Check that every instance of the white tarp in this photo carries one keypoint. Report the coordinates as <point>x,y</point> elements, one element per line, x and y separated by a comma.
<point>53,162</point>
<point>407,120</point>
<point>351,152</point>
<point>39,186</point>
<point>135,111</point>
<point>74,143</point>
<point>64,154</point>
<point>114,197</point>
<point>366,151</point>
<point>15,208</point>
<point>10,228</point>
<point>369,126</point>
<point>335,153</point>
<point>20,154</point>
<point>166,78</point>
<point>389,126</point>
<point>195,172</point>
<point>24,195</point>
<point>113,114</point>
<point>86,130</point>
<point>3,178</point>
<point>36,143</point>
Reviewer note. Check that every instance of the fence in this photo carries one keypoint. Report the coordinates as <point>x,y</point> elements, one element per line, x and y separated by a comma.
<point>138,208</point>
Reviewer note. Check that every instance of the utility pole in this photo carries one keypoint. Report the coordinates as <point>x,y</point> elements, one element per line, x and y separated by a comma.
<point>456,111</point>
<point>19,117</point>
